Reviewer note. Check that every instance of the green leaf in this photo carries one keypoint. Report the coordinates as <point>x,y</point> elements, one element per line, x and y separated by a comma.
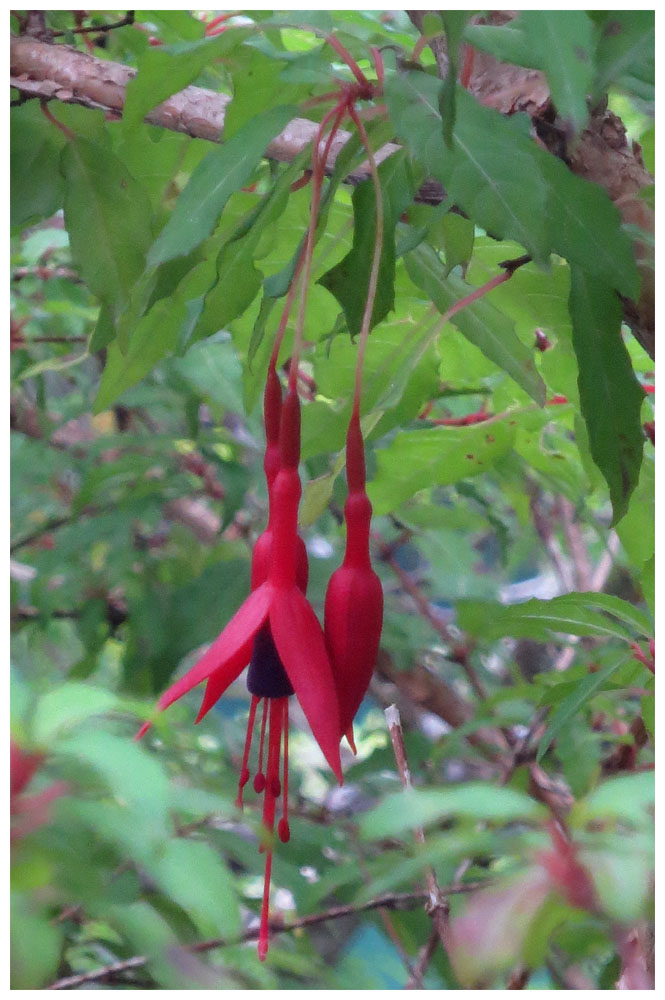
<point>484,172</point>
<point>575,701</point>
<point>348,281</point>
<point>414,807</point>
<point>213,368</point>
<point>36,190</point>
<point>66,706</point>
<point>457,238</point>
<point>585,226</point>
<point>623,877</point>
<point>156,335</point>
<point>454,22</point>
<point>35,946</point>
<point>610,395</point>
<point>436,456</point>
<point>108,217</point>
<point>480,322</point>
<point>196,878</point>
<point>570,614</point>
<point>562,42</point>
<point>629,798</point>
<point>220,173</point>
<point>507,43</point>
<point>165,70</point>
<point>626,46</point>
<point>133,776</point>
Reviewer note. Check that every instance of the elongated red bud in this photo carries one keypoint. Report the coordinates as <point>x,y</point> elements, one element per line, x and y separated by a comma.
<point>354,598</point>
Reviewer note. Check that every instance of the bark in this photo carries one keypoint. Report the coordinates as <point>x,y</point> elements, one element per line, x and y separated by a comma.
<point>602,155</point>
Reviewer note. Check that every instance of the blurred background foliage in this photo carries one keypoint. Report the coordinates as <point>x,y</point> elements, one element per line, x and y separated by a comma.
<point>137,492</point>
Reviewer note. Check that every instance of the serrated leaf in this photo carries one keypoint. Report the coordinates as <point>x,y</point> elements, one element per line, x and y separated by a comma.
<point>562,43</point>
<point>610,395</point>
<point>483,173</point>
<point>165,70</point>
<point>481,323</point>
<point>348,281</point>
<point>402,811</point>
<point>220,173</point>
<point>156,335</point>
<point>436,456</point>
<point>575,701</point>
<point>586,228</point>
<point>108,217</point>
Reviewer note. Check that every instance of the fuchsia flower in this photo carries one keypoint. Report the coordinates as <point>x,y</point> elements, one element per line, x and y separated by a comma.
<point>277,634</point>
<point>354,599</point>
<point>28,811</point>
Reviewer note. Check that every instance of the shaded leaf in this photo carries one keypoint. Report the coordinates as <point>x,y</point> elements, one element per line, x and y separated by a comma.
<point>108,217</point>
<point>562,43</point>
<point>348,281</point>
<point>610,395</point>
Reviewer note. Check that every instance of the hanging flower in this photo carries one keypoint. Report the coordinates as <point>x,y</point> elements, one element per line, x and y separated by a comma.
<point>354,598</point>
<point>277,634</point>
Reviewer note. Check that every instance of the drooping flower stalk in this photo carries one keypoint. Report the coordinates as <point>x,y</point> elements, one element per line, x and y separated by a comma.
<point>354,598</point>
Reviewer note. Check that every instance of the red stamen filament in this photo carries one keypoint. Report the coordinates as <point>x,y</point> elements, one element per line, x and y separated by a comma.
<point>244,772</point>
<point>260,778</point>
<point>283,826</point>
<point>271,793</point>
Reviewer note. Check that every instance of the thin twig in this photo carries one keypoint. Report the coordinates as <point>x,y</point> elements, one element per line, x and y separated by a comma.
<point>97,28</point>
<point>390,901</point>
<point>437,904</point>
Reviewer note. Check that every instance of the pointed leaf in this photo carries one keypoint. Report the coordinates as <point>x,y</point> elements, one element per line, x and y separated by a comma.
<point>164,70</point>
<point>563,44</point>
<point>301,647</point>
<point>108,217</point>
<point>220,173</point>
<point>348,281</point>
<point>610,395</point>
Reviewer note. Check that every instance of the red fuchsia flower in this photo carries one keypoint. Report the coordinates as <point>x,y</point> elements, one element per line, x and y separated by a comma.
<point>354,599</point>
<point>277,634</point>
<point>31,811</point>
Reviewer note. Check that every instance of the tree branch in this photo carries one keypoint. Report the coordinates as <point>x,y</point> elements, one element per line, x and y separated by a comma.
<point>389,901</point>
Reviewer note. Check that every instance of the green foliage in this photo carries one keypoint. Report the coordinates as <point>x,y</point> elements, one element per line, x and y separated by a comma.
<point>510,475</point>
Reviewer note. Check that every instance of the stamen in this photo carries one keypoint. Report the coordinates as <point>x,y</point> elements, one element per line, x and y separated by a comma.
<point>283,830</point>
<point>244,771</point>
<point>259,777</point>
<point>265,906</point>
<point>278,715</point>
